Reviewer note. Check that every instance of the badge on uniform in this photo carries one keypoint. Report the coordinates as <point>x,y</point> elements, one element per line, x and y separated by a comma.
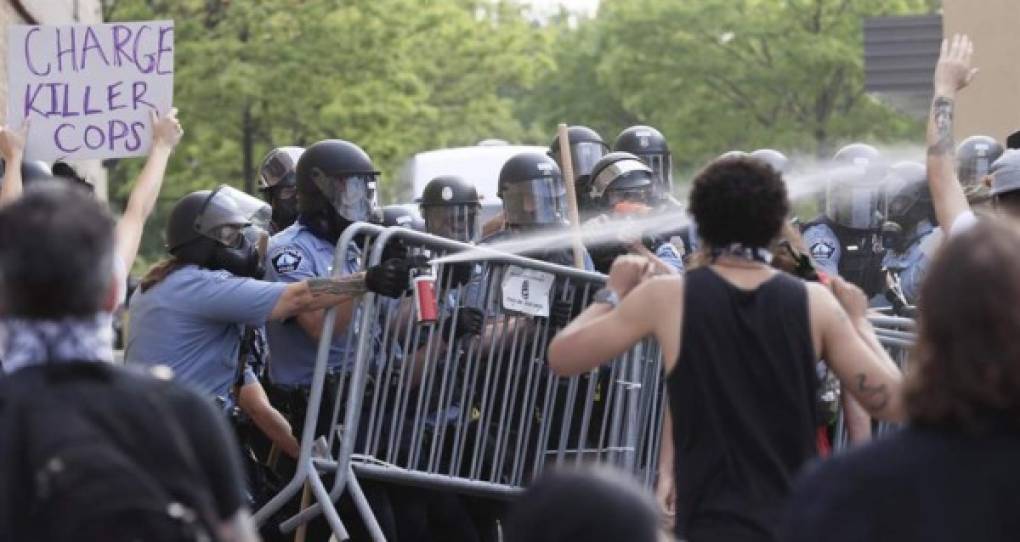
<point>287,261</point>
<point>822,250</point>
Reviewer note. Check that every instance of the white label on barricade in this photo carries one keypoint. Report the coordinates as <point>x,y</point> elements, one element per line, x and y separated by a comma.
<point>527,290</point>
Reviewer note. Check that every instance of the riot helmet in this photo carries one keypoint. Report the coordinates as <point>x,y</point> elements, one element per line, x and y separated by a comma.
<point>531,187</point>
<point>336,184</point>
<point>278,185</point>
<point>650,146</point>
<point>220,229</point>
<point>450,206</point>
<point>908,199</point>
<point>854,196</point>
<point>777,160</point>
<point>399,215</point>
<point>974,158</point>
<point>619,177</point>
<point>586,148</point>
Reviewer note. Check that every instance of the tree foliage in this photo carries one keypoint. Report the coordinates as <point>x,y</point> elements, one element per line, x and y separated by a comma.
<point>403,76</point>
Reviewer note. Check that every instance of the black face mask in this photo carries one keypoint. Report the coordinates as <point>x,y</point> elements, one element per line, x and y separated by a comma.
<point>243,261</point>
<point>326,224</point>
<point>285,212</point>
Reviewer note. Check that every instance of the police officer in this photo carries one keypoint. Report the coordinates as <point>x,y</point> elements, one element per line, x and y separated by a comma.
<point>651,147</point>
<point>910,235</point>
<point>846,238</point>
<point>336,182</point>
<point>586,149</point>
<point>974,158</point>
<point>623,185</point>
<point>534,200</point>
<point>190,309</point>
<point>278,187</point>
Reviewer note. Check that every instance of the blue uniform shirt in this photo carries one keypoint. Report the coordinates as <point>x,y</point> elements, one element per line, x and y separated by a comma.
<point>912,264</point>
<point>192,322</point>
<point>296,254</point>
<point>824,247</point>
<point>671,256</point>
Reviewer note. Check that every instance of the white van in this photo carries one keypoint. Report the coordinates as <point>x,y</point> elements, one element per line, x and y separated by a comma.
<point>479,165</point>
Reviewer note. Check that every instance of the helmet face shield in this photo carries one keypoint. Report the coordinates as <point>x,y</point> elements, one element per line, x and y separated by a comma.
<point>227,211</point>
<point>584,155</point>
<point>662,172</point>
<point>634,194</point>
<point>854,202</point>
<point>456,222</point>
<point>278,168</point>
<point>352,196</point>
<point>535,202</point>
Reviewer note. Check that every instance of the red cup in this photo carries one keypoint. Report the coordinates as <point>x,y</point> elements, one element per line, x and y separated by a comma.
<point>425,298</point>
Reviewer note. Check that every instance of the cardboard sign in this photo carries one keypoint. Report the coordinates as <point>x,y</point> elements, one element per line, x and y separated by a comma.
<point>527,290</point>
<point>88,89</point>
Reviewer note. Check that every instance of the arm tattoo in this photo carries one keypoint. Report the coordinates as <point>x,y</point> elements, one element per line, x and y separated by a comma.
<point>877,396</point>
<point>352,285</point>
<point>942,116</point>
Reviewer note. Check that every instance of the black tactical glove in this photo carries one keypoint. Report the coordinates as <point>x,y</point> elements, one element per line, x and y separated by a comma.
<point>459,273</point>
<point>469,322</point>
<point>394,250</point>
<point>391,278</point>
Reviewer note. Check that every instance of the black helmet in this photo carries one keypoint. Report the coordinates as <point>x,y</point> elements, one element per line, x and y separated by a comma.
<point>219,229</point>
<point>532,190</point>
<point>621,176</point>
<point>400,215</point>
<point>974,158</point>
<point>278,185</point>
<point>450,206</point>
<point>278,168</point>
<point>650,146</point>
<point>336,183</point>
<point>854,196</point>
<point>908,199</point>
<point>774,158</point>
<point>586,148</point>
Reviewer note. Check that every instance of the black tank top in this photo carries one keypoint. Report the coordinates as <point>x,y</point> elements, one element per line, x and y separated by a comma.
<point>742,397</point>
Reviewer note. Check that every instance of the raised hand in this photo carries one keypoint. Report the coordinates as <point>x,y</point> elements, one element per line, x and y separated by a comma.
<point>12,141</point>
<point>954,71</point>
<point>166,129</point>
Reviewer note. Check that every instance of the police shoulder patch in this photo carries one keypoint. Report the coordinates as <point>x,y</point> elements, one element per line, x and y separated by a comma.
<point>287,260</point>
<point>822,250</point>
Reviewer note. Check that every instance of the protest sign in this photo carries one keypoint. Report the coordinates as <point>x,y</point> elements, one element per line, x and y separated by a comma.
<point>88,89</point>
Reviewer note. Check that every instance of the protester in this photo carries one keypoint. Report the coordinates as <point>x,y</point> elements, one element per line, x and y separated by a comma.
<point>91,451</point>
<point>593,504</point>
<point>739,352</point>
<point>950,475</point>
<point>953,73</point>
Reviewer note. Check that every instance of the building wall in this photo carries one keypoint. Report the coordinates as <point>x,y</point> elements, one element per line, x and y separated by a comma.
<point>50,12</point>
<point>989,105</point>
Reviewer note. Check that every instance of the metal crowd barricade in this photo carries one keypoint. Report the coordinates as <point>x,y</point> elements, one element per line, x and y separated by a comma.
<point>481,414</point>
<point>358,236</point>
<point>897,335</point>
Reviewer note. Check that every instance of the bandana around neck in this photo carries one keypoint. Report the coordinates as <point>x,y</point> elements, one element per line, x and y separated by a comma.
<point>737,250</point>
<point>25,342</point>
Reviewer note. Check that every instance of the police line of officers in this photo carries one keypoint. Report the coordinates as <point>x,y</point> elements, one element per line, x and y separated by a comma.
<point>230,291</point>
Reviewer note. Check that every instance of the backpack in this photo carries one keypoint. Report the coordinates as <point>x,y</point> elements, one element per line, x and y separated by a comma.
<point>90,451</point>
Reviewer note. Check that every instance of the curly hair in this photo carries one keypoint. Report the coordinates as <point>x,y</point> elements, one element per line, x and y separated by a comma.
<point>966,364</point>
<point>739,200</point>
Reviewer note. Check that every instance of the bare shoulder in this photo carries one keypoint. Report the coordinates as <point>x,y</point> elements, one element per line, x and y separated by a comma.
<point>663,288</point>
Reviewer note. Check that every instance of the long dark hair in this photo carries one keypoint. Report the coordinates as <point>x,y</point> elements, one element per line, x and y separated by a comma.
<point>965,372</point>
<point>159,272</point>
